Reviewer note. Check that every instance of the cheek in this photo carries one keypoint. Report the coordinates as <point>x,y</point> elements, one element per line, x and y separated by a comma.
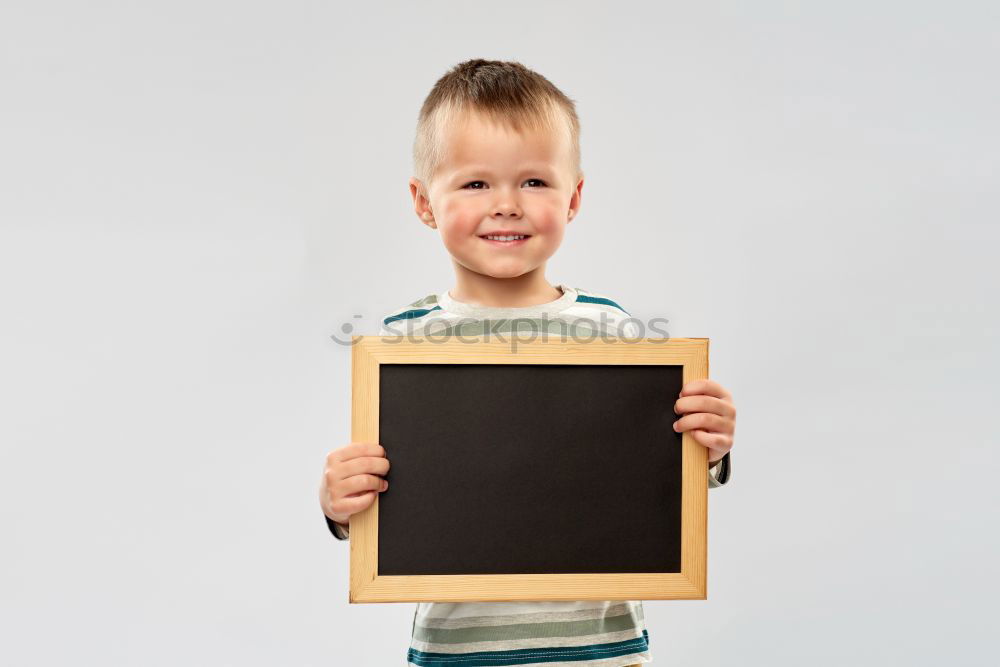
<point>460,220</point>
<point>548,217</point>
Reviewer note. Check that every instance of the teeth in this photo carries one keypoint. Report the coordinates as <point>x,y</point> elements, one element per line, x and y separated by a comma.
<point>505,238</point>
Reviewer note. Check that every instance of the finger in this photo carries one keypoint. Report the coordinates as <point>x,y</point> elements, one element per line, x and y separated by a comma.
<point>717,443</point>
<point>354,450</point>
<point>702,403</point>
<point>705,421</point>
<point>361,483</point>
<point>376,465</point>
<point>706,386</point>
<point>353,504</point>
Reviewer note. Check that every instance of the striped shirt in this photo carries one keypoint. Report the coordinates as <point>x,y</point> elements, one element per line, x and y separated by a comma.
<point>466,634</point>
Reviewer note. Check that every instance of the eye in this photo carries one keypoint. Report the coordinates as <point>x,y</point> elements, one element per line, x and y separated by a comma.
<point>537,180</point>
<point>473,183</point>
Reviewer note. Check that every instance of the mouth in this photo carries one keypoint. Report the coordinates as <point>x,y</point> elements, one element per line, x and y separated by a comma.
<point>506,240</point>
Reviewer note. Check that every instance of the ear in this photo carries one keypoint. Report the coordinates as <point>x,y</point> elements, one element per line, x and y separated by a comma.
<point>421,203</point>
<point>575,200</point>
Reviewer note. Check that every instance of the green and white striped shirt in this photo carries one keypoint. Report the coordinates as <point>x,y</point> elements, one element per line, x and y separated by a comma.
<point>466,634</point>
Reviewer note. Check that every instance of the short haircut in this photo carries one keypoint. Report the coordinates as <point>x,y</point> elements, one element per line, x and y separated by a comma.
<point>506,92</point>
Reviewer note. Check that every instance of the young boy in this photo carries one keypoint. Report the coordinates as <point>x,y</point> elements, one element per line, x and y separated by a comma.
<point>497,173</point>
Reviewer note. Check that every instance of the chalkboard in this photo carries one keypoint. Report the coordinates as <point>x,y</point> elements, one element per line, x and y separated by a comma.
<point>504,469</point>
<point>543,473</point>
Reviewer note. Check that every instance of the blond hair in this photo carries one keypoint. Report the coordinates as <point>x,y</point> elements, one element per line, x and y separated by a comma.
<point>506,92</point>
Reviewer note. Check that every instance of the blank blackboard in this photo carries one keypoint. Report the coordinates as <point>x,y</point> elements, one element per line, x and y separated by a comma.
<point>503,469</point>
<point>545,470</point>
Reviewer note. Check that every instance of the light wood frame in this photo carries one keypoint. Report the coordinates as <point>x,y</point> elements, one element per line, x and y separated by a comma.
<point>366,585</point>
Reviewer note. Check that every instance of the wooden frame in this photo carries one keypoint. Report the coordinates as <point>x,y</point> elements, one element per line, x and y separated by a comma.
<point>366,585</point>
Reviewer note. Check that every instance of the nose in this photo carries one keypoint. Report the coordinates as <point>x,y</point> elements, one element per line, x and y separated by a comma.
<point>506,206</point>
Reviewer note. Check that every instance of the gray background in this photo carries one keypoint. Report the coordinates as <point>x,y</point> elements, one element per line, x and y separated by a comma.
<point>196,194</point>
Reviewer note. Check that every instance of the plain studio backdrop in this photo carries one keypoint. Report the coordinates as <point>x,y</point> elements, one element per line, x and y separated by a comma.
<point>195,195</point>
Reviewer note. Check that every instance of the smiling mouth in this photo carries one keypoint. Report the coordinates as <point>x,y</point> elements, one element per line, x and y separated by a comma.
<point>505,239</point>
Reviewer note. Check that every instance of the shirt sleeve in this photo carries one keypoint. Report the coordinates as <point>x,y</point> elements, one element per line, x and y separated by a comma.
<point>341,533</point>
<point>720,473</point>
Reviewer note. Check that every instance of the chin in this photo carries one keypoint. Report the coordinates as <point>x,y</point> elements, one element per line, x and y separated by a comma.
<point>500,271</point>
<point>513,273</point>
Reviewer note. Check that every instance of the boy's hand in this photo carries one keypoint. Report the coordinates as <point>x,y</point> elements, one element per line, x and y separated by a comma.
<point>351,479</point>
<point>709,414</point>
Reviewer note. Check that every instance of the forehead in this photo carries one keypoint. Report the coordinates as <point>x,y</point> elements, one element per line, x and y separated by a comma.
<point>472,138</point>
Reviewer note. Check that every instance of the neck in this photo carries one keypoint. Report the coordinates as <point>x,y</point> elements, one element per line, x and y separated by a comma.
<point>529,289</point>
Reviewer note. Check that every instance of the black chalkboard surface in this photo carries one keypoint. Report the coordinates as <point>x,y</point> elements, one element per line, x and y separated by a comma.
<point>548,470</point>
<point>503,469</point>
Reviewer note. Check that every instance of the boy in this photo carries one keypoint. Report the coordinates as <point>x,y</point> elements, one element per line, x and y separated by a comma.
<point>497,173</point>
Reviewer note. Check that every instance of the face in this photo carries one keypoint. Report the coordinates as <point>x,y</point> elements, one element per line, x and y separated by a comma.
<point>494,181</point>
